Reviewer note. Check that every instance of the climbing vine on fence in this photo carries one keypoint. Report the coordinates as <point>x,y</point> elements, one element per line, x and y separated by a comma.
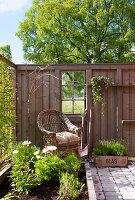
<point>7,111</point>
<point>98,84</point>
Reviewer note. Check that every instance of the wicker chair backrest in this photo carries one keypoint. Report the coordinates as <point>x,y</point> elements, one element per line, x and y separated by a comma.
<point>52,121</point>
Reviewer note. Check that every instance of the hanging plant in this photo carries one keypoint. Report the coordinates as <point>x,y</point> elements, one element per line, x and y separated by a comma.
<point>98,83</point>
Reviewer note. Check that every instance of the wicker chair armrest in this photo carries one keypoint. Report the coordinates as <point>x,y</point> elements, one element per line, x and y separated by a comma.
<point>43,130</point>
<point>71,127</point>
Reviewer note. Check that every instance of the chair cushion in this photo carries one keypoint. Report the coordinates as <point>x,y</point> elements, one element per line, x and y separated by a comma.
<point>66,138</point>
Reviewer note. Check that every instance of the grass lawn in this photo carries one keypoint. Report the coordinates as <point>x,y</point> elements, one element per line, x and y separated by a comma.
<point>78,107</point>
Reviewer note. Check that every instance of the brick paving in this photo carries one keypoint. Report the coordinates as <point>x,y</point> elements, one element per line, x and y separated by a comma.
<point>114,183</point>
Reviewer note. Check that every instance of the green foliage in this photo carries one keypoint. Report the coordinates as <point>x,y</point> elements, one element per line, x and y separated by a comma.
<point>72,163</point>
<point>9,196</point>
<point>72,31</point>
<point>70,79</point>
<point>78,107</point>
<point>22,174</point>
<point>98,84</point>
<point>7,111</point>
<point>49,167</point>
<point>6,51</point>
<point>110,148</point>
<point>70,187</point>
<point>30,167</point>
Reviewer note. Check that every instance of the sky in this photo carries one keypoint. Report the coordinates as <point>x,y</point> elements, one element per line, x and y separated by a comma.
<point>11,12</point>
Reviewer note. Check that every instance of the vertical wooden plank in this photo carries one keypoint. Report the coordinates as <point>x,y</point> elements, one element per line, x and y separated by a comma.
<point>112,111</point>
<point>126,94</point>
<point>125,107</point>
<point>132,95</point>
<point>126,136</point>
<point>39,105</point>
<point>46,86</point>
<point>120,102</point>
<point>32,106</point>
<point>57,90</point>
<point>24,108</point>
<point>132,140</point>
<point>90,135</point>
<point>131,111</point>
<point>97,115</point>
<point>129,138</point>
<point>104,115</point>
<point>19,106</point>
<point>52,90</point>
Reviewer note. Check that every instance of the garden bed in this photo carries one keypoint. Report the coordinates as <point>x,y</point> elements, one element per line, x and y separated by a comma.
<point>47,190</point>
<point>110,154</point>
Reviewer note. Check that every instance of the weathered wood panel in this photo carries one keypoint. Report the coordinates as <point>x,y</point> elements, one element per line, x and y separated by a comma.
<point>32,107</point>
<point>43,86</point>
<point>38,105</point>
<point>128,97</point>
<point>89,138</point>
<point>105,125</point>
<point>36,90</point>
<point>46,89</point>
<point>119,103</point>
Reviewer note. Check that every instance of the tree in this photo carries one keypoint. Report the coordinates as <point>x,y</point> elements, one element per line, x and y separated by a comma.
<point>79,31</point>
<point>6,51</point>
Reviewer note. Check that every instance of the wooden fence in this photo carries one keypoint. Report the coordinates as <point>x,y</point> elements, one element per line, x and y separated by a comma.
<point>39,87</point>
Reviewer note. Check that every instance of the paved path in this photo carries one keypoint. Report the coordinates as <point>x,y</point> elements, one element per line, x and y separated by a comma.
<point>114,183</point>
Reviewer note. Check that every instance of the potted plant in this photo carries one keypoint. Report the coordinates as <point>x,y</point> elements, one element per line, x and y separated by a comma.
<point>110,153</point>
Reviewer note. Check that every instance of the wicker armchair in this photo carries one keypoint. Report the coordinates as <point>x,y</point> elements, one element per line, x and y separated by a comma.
<point>59,131</point>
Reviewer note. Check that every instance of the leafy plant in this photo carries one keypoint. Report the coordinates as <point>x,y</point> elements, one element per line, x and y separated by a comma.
<point>49,167</point>
<point>22,174</point>
<point>72,163</point>
<point>7,111</point>
<point>112,148</point>
<point>10,196</point>
<point>98,83</point>
<point>70,187</point>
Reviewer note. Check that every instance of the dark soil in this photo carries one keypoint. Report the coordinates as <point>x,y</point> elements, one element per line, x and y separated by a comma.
<point>46,191</point>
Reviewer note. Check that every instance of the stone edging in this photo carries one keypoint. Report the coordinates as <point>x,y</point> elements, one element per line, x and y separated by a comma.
<point>3,173</point>
<point>90,184</point>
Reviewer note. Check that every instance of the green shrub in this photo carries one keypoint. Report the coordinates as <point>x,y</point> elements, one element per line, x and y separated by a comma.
<point>118,149</point>
<point>72,163</point>
<point>49,167</point>
<point>112,148</point>
<point>22,174</point>
<point>30,167</point>
<point>70,187</point>
<point>7,111</point>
